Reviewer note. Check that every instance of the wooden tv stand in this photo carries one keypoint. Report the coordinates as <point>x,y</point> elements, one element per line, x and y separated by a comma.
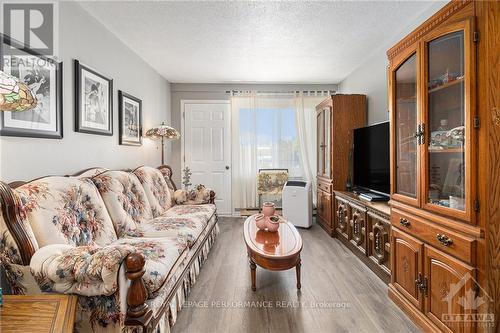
<point>365,228</point>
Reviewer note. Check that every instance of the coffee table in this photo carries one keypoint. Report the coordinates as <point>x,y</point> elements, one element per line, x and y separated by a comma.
<point>275,251</point>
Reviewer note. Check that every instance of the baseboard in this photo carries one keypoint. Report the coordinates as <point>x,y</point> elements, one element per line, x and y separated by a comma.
<point>415,314</point>
<point>375,268</point>
<point>326,227</point>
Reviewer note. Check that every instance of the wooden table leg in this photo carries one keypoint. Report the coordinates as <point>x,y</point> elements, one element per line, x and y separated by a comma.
<point>252,271</point>
<point>297,272</point>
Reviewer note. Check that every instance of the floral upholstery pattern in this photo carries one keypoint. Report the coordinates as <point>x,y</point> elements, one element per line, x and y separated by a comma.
<point>125,200</point>
<point>183,221</point>
<point>88,270</point>
<point>83,227</point>
<point>101,313</point>
<point>18,276</point>
<point>64,210</point>
<point>157,191</point>
<point>160,253</point>
<point>196,212</point>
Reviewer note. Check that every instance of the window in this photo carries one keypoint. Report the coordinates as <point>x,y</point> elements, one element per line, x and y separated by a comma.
<point>272,134</point>
<point>271,131</point>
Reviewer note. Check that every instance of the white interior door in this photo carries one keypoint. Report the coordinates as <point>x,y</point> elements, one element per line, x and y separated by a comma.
<point>207,147</point>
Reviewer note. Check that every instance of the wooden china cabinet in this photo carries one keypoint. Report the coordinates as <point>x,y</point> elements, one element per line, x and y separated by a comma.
<point>336,116</point>
<point>439,272</point>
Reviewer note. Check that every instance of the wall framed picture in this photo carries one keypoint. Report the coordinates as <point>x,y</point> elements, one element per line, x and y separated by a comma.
<point>43,76</point>
<point>93,101</point>
<point>130,119</point>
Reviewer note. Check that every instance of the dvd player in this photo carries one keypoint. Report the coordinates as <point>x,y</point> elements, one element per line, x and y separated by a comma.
<point>370,196</point>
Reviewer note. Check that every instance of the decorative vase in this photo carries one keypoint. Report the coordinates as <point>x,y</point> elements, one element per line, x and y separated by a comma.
<point>268,208</point>
<point>273,223</point>
<point>260,221</point>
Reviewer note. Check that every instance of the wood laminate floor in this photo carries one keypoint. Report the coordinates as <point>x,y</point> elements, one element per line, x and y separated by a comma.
<point>339,293</point>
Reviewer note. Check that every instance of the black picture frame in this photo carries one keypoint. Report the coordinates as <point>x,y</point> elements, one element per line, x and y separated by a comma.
<point>122,98</point>
<point>81,127</point>
<point>22,50</point>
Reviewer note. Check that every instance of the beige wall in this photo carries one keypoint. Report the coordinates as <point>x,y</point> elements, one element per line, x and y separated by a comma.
<point>83,38</point>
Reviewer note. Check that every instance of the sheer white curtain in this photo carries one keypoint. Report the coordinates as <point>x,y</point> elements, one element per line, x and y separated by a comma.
<point>264,137</point>
<point>305,108</point>
<point>244,156</point>
<point>271,130</point>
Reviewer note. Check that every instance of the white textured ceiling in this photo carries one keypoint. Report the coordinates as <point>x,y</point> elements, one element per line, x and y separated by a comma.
<point>278,42</point>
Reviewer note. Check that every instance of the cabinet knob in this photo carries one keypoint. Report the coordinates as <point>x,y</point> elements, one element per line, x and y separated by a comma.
<point>404,222</point>
<point>445,240</point>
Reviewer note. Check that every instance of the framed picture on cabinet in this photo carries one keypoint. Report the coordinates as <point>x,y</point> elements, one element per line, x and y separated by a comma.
<point>93,101</point>
<point>130,119</point>
<point>43,75</point>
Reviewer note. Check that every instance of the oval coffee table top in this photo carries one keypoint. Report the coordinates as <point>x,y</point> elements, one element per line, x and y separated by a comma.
<point>282,244</point>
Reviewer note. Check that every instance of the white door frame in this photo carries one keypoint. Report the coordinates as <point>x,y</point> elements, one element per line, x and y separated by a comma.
<point>183,132</point>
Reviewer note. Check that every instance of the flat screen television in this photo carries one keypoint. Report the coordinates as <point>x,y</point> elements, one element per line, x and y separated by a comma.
<point>371,161</point>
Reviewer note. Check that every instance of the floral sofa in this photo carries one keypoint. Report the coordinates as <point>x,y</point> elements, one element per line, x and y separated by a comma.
<point>114,238</point>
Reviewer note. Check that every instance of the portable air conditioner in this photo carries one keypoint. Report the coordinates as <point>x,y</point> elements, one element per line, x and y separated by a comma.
<point>297,203</point>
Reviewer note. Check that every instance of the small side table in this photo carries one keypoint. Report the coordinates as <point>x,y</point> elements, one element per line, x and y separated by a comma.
<point>38,313</point>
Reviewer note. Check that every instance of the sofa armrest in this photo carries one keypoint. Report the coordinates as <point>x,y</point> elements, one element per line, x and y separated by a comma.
<point>197,196</point>
<point>84,270</point>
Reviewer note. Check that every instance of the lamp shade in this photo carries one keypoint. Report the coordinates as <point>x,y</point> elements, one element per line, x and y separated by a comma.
<point>15,95</point>
<point>163,131</point>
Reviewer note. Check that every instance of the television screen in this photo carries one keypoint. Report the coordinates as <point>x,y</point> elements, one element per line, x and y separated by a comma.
<point>371,161</point>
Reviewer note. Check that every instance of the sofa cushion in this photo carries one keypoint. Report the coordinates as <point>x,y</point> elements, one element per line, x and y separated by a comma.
<point>125,199</point>
<point>201,213</point>
<point>161,254</point>
<point>65,210</point>
<point>168,226</point>
<point>157,191</point>
<point>182,221</point>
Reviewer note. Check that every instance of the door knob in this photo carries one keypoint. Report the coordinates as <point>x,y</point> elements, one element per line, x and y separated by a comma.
<point>227,167</point>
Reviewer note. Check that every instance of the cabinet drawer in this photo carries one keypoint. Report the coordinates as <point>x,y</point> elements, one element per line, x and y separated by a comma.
<point>453,243</point>
<point>323,186</point>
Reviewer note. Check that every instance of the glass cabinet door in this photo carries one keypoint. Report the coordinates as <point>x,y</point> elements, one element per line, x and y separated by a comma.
<point>321,143</point>
<point>447,122</point>
<point>405,127</point>
<point>328,142</point>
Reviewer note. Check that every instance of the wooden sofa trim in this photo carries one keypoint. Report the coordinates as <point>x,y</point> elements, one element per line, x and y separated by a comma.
<point>170,181</point>
<point>138,313</point>
<point>15,224</point>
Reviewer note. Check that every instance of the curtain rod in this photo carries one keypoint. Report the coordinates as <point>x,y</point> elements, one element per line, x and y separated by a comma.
<point>258,91</point>
<point>282,92</point>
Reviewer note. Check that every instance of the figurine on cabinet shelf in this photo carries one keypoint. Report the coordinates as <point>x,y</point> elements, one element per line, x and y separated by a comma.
<point>438,140</point>
<point>457,136</point>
